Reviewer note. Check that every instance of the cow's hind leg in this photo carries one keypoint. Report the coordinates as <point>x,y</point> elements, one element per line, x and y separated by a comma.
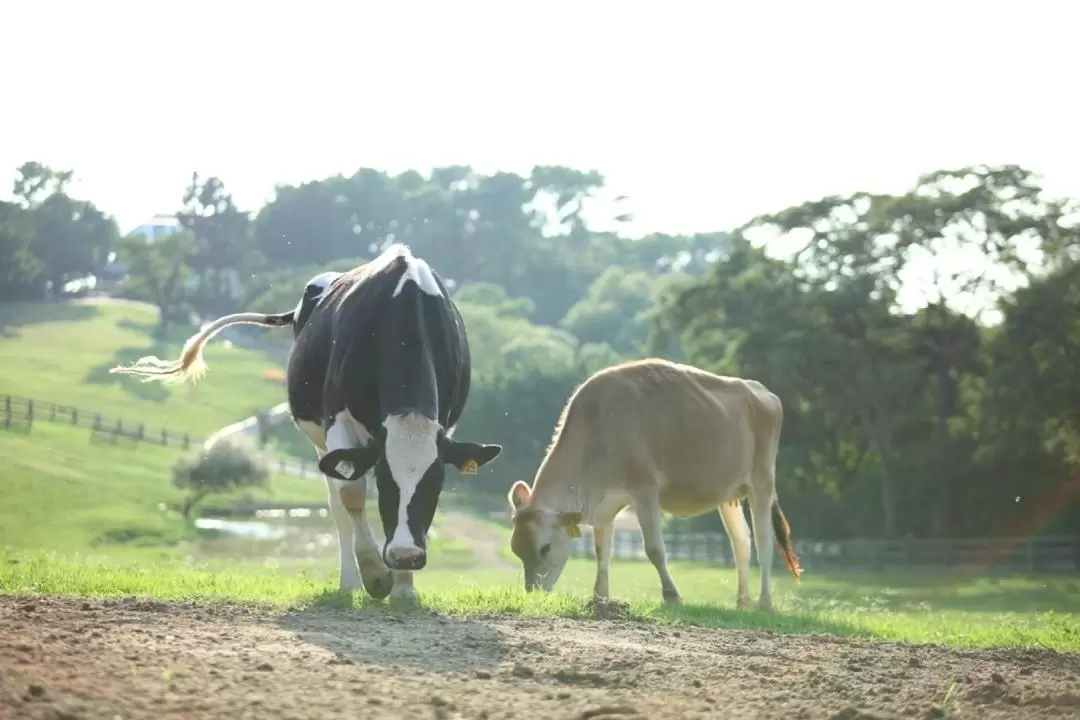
<point>652,521</point>
<point>761,500</point>
<point>731,514</point>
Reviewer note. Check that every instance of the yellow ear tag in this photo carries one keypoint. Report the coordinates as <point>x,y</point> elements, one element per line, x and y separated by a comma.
<point>573,530</point>
<point>469,467</point>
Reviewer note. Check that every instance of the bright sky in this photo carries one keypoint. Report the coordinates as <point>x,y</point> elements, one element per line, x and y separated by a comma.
<point>703,113</point>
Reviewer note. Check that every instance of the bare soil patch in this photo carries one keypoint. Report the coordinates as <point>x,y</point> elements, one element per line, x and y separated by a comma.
<point>66,659</point>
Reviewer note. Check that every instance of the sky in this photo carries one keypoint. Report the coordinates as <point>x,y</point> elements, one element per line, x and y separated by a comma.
<point>703,113</point>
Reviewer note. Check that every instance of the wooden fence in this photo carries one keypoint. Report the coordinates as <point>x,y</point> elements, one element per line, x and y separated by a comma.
<point>20,414</point>
<point>1037,554</point>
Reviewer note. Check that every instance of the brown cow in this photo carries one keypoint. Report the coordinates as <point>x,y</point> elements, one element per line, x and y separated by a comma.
<point>657,436</point>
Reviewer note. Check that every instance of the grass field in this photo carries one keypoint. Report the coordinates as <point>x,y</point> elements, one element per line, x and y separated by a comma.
<point>62,353</point>
<point>1012,612</point>
<point>86,519</point>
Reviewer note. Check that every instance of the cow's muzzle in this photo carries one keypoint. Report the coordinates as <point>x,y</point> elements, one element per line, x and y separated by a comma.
<point>405,558</point>
<point>532,581</point>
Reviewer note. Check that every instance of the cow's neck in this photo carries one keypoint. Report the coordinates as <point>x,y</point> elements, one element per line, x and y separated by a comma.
<point>568,499</point>
<point>557,486</point>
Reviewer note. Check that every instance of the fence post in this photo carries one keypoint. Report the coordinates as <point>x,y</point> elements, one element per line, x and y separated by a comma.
<point>7,412</point>
<point>52,412</point>
<point>186,441</point>
<point>74,416</point>
<point>164,437</point>
<point>29,412</point>
<point>142,432</point>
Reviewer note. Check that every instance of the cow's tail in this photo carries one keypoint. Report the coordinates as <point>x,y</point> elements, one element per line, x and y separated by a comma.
<point>783,540</point>
<point>190,363</point>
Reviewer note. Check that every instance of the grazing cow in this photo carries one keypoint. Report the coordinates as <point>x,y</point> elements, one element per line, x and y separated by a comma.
<point>657,436</point>
<point>378,377</point>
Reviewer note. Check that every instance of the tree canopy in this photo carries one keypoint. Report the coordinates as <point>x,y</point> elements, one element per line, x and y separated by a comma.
<point>924,344</point>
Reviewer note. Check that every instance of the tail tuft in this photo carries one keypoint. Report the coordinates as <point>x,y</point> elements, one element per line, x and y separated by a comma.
<point>190,364</point>
<point>783,539</point>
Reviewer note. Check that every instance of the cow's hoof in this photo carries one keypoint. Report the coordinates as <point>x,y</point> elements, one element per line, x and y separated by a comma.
<point>379,586</point>
<point>671,597</point>
<point>742,603</point>
<point>765,605</point>
<point>405,595</point>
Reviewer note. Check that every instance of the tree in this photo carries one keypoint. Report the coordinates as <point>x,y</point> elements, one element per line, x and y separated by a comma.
<point>19,268</point>
<point>34,182</point>
<point>616,309</point>
<point>226,466</point>
<point>70,237</point>
<point>1032,398</point>
<point>835,357</point>
<point>157,270</point>
<point>223,252</point>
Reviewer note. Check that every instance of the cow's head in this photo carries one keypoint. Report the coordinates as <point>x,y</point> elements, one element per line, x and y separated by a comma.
<point>541,538</point>
<point>409,472</point>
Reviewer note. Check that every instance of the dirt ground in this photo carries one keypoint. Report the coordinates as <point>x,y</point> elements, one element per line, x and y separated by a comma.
<point>67,659</point>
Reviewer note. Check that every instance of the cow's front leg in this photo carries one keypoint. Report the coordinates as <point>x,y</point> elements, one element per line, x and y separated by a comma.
<point>602,536</point>
<point>348,576</point>
<point>651,521</point>
<point>375,575</point>
<point>351,495</point>
<point>404,591</point>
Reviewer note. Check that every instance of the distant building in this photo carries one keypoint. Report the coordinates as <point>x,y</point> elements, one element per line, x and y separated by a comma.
<point>158,226</point>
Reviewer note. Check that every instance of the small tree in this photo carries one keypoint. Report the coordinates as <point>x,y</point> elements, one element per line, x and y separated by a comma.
<point>227,465</point>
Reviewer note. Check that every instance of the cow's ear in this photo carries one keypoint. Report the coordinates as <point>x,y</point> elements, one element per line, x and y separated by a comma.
<point>519,495</point>
<point>349,463</point>
<point>571,521</point>
<point>467,457</point>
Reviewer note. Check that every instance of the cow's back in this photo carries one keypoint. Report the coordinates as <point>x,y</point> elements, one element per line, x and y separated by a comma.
<point>382,346</point>
<point>693,433</point>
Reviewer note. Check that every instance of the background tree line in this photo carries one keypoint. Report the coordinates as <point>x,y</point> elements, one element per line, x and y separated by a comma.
<point>900,417</point>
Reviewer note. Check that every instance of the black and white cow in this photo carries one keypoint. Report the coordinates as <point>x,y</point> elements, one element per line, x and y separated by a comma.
<point>378,377</point>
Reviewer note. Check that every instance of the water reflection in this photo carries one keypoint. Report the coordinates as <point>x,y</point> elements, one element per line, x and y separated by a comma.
<point>243,528</point>
<point>274,535</point>
<point>270,534</point>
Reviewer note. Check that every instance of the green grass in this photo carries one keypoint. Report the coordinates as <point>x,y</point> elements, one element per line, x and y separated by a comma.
<point>58,491</point>
<point>62,353</point>
<point>87,519</point>
<point>1043,612</point>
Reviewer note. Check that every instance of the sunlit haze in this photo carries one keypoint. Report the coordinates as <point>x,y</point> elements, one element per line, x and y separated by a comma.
<point>702,114</point>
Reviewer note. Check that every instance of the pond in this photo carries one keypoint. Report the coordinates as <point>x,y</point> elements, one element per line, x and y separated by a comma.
<point>273,535</point>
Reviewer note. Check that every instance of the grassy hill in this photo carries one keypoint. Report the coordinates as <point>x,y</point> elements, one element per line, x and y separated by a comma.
<point>59,491</point>
<point>62,353</point>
